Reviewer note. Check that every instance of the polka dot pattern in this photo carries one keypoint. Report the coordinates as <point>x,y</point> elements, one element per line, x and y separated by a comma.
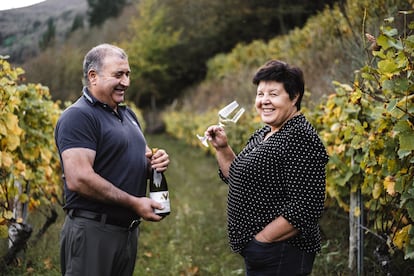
<point>282,176</point>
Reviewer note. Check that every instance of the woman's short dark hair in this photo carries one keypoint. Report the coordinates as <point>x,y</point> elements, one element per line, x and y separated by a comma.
<point>290,76</point>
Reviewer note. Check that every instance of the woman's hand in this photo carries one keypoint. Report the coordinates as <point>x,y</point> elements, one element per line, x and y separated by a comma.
<point>278,230</point>
<point>224,154</point>
<point>217,137</point>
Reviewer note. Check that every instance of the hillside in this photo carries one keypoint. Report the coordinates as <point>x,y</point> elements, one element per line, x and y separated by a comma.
<point>22,29</point>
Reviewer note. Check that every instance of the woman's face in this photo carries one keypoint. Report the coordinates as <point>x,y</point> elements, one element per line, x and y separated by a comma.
<point>273,104</point>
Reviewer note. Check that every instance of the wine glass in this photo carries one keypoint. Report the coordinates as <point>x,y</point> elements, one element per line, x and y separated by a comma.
<point>225,117</point>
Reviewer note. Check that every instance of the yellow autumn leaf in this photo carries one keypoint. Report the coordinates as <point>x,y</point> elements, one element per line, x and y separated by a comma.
<point>20,166</point>
<point>401,237</point>
<point>14,101</point>
<point>48,263</point>
<point>368,170</point>
<point>31,154</point>
<point>337,111</point>
<point>335,127</point>
<point>391,164</point>
<point>12,142</point>
<point>376,192</point>
<point>48,171</point>
<point>148,254</point>
<point>340,149</point>
<point>355,97</point>
<point>371,137</point>
<point>389,185</point>
<point>33,204</point>
<point>23,197</point>
<point>12,124</point>
<point>28,174</point>
<point>8,214</point>
<point>3,129</point>
<point>6,159</point>
<point>46,154</point>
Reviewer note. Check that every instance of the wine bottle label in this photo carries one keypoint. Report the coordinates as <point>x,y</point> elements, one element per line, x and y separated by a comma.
<point>163,198</point>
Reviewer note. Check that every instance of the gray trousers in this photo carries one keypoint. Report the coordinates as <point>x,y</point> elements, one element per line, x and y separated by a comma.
<point>91,248</point>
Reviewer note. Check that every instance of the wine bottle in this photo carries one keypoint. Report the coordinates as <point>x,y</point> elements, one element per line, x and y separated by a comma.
<point>159,191</point>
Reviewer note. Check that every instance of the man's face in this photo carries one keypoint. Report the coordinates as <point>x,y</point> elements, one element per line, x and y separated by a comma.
<point>109,85</point>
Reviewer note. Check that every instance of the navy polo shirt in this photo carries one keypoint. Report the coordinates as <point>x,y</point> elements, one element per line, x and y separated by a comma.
<point>118,142</point>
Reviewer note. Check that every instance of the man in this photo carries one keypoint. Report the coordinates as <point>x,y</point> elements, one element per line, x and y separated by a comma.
<point>105,162</point>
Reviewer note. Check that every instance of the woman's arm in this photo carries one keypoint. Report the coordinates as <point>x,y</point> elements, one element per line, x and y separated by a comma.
<point>278,230</point>
<point>225,157</point>
<point>224,153</point>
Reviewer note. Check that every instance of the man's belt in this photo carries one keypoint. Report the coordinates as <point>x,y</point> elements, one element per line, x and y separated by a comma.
<point>103,218</point>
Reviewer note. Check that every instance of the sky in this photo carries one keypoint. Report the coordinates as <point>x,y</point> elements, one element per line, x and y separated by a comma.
<point>12,4</point>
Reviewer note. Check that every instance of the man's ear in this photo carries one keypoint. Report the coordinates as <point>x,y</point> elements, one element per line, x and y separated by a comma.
<point>92,75</point>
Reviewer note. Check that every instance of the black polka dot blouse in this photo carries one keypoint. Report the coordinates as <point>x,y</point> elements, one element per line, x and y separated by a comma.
<point>282,176</point>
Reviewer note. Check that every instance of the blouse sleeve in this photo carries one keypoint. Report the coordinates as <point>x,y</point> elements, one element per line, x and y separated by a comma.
<point>304,174</point>
<point>223,178</point>
<point>250,144</point>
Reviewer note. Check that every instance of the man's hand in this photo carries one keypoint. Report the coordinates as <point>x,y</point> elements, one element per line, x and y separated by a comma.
<point>144,207</point>
<point>159,160</point>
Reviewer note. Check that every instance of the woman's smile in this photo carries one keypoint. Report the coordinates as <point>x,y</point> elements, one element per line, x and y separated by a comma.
<point>273,104</point>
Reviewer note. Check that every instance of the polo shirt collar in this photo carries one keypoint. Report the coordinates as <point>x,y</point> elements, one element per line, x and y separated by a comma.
<point>87,95</point>
<point>94,101</point>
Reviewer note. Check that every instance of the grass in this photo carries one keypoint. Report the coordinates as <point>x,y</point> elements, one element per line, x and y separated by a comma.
<point>192,240</point>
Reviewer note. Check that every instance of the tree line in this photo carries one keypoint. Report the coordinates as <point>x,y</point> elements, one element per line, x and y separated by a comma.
<point>169,41</point>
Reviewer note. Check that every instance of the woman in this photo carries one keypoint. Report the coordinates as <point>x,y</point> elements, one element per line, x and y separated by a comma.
<point>277,182</point>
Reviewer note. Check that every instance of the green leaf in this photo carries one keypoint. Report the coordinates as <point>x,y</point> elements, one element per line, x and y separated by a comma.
<point>406,142</point>
<point>4,231</point>
<point>391,105</point>
<point>403,153</point>
<point>390,31</point>
<point>387,67</point>
<point>410,38</point>
<point>382,41</point>
<point>409,205</point>
<point>403,126</point>
<point>396,44</point>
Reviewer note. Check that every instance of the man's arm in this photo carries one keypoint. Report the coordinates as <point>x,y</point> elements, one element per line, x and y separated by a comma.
<point>82,179</point>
